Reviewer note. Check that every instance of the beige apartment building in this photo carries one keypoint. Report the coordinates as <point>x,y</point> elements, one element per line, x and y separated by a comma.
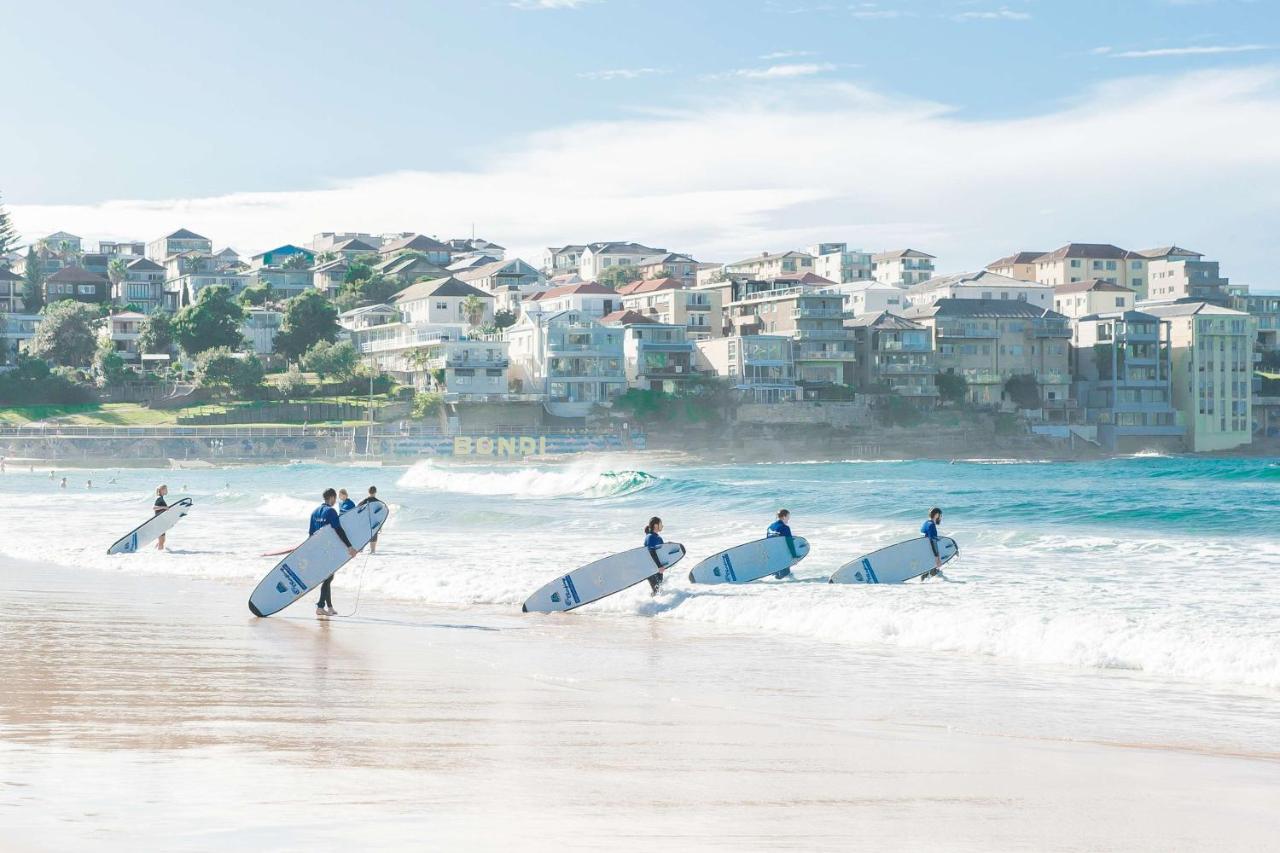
<point>1212,372</point>
<point>902,267</point>
<point>768,266</point>
<point>1083,261</point>
<point>1020,265</point>
<point>1095,296</point>
<point>666,300</point>
<point>823,349</point>
<point>1175,273</point>
<point>989,341</point>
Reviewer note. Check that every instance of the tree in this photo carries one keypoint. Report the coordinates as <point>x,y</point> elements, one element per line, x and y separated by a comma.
<point>8,234</point>
<point>34,382</point>
<point>256,294</point>
<point>952,388</point>
<point>213,320</point>
<point>427,404</point>
<point>299,261</point>
<point>109,364</point>
<point>117,272</point>
<point>220,368</point>
<point>294,384</point>
<point>332,360</point>
<point>1024,391</point>
<point>359,269</point>
<point>308,319</point>
<point>473,307</point>
<point>504,319</point>
<point>617,276</point>
<point>156,334</point>
<point>65,334</point>
<point>33,290</point>
<point>372,290</point>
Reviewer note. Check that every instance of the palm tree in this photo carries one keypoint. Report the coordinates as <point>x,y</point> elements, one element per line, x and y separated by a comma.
<point>473,308</point>
<point>118,271</point>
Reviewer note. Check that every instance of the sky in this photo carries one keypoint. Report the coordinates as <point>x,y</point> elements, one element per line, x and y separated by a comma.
<point>966,128</point>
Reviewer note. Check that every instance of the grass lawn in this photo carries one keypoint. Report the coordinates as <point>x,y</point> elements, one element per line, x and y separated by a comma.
<point>133,414</point>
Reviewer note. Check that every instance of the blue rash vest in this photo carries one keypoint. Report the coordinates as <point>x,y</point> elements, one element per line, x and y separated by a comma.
<point>930,530</point>
<point>779,528</point>
<point>652,540</point>
<point>327,516</point>
<point>346,505</point>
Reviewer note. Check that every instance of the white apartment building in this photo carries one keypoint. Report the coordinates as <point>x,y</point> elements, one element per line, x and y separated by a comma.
<point>760,367</point>
<point>508,281</point>
<point>588,298</point>
<point>1094,296</point>
<point>902,267</point>
<point>838,263</point>
<point>122,330</point>
<point>178,243</point>
<point>260,327</point>
<point>598,257</point>
<point>1212,372</point>
<point>657,356</point>
<point>12,288</point>
<point>143,285</point>
<point>682,268</point>
<point>570,358</point>
<point>979,285</point>
<point>699,312</point>
<point>444,300</point>
<point>1175,273</point>
<point>869,297</point>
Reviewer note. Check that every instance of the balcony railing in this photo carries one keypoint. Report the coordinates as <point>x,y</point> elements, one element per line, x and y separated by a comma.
<point>1051,329</point>
<point>900,368</point>
<point>966,332</point>
<point>904,346</point>
<point>825,355</point>
<point>823,335</point>
<point>828,313</point>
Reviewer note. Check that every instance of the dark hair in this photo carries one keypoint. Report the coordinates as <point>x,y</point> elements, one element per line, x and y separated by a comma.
<point>783,512</point>
<point>653,522</point>
<point>329,493</point>
<point>373,490</point>
<point>934,511</point>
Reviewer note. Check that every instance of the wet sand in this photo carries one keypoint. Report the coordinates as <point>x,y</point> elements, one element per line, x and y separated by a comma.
<point>153,712</point>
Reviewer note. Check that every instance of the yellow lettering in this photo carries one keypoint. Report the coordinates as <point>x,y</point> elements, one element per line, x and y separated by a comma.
<point>461,445</point>
<point>484,446</point>
<point>542,445</point>
<point>506,446</point>
<point>527,445</point>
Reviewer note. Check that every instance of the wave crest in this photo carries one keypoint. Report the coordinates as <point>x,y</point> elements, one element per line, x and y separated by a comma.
<point>577,481</point>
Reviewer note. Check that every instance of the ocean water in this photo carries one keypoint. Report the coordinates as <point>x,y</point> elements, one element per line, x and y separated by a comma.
<point>1163,570</point>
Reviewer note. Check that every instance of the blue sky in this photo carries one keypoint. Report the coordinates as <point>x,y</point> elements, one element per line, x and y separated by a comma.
<point>447,111</point>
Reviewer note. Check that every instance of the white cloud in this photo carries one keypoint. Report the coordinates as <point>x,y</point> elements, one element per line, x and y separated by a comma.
<point>1202,50</point>
<point>622,73</point>
<point>1192,157</point>
<point>1001,14</point>
<point>780,72</point>
<point>538,5</point>
<point>786,54</point>
<point>881,14</point>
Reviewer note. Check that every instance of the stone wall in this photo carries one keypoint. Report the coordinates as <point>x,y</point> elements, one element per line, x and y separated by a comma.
<point>842,415</point>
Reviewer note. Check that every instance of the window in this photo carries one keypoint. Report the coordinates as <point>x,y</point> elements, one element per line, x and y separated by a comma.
<point>87,290</point>
<point>1119,301</point>
<point>1135,282</point>
<point>1075,262</point>
<point>1097,265</point>
<point>1111,265</point>
<point>442,306</point>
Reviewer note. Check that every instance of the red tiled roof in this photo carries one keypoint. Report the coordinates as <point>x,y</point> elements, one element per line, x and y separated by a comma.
<point>624,318</point>
<point>648,285</point>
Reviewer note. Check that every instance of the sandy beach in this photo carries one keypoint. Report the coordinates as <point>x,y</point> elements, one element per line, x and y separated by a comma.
<point>153,712</point>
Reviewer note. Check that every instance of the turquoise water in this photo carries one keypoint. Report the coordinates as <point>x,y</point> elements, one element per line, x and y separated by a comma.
<point>1160,567</point>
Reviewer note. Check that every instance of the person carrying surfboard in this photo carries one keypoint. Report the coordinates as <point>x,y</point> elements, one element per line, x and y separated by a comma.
<point>652,541</point>
<point>326,516</point>
<point>160,506</point>
<point>930,531</point>
<point>373,496</point>
<point>782,527</point>
<point>344,501</point>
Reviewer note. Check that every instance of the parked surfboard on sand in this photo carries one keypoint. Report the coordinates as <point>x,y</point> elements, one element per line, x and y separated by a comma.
<point>750,561</point>
<point>149,531</point>
<point>603,578</point>
<point>320,556</point>
<point>897,563</point>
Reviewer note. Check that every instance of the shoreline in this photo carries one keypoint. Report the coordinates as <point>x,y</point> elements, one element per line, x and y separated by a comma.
<point>481,729</point>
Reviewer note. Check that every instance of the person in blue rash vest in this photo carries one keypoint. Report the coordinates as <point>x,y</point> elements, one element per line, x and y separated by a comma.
<point>653,541</point>
<point>930,531</point>
<point>781,527</point>
<point>326,516</point>
<point>344,501</point>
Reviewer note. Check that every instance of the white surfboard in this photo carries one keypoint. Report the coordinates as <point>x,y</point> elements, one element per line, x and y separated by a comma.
<point>308,565</point>
<point>603,578</point>
<point>149,531</point>
<point>896,563</point>
<point>749,561</point>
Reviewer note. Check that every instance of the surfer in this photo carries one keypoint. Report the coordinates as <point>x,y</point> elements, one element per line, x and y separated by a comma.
<point>782,527</point>
<point>373,496</point>
<point>344,501</point>
<point>930,531</point>
<point>160,506</point>
<point>326,516</point>
<point>652,541</point>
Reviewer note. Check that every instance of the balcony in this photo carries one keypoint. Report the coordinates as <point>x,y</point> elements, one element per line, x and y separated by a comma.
<point>823,335</point>
<point>905,346</point>
<point>452,397</point>
<point>480,363</point>
<point>1051,329</point>
<point>899,368</point>
<point>1052,377</point>
<point>983,377</point>
<point>966,332</point>
<point>819,313</point>
<point>915,390</point>
<point>825,355</point>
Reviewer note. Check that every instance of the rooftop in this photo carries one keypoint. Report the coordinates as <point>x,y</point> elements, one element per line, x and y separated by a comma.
<point>1104,251</point>
<point>883,320</point>
<point>414,243</point>
<point>981,277</point>
<point>77,275</point>
<point>1091,285</point>
<point>900,253</point>
<point>184,234</point>
<point>626,318</point>
<point>448,286</point>
<point>1187,309</point>
<point>1017,258</point>
<point>649,285</point>
<point>994,308</point>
